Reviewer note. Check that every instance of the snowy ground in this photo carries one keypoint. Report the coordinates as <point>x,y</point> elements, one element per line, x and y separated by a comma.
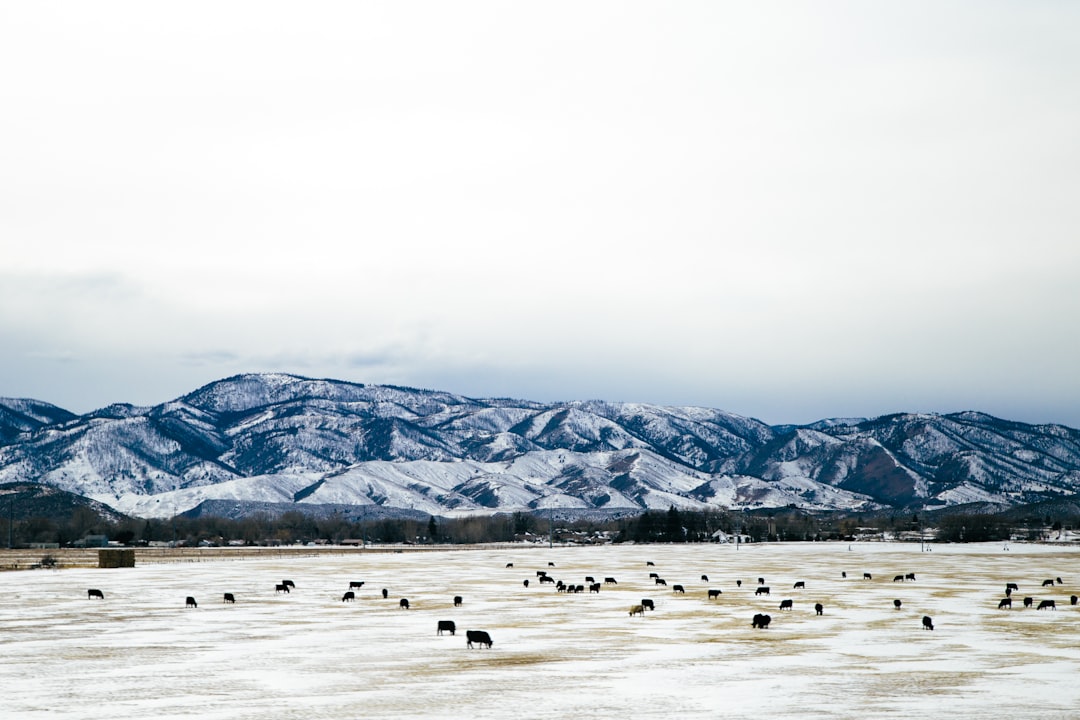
<point>140,653</point>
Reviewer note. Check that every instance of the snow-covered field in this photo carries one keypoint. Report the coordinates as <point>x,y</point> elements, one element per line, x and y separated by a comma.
<point>139,653</point>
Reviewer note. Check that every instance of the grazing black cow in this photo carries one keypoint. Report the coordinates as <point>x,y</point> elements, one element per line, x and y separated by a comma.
<point>541,573</point>
<point>898,578</point>
<point>761,621</point>
<point>713,594</point>
<point>761,581</point>
<point>1072,600</point>
<point>738,583</point>
<point>704,578</point>
<point>447,625</point>
<point>1008,592</point>
<point>590,579</point>
<point>560,586</point>
<point>348,596</point>
<point>896,604</point>
<point>385,593</point>
<point>798,585</point>
<point>927,623</point>
<point>647,604</point>
<point>94,593</point>
<point>1059,581</point>
<point>579,588</point>
<point>551,564</point>
<point>594,587</point>
<point>480,637</point>
<point>289,583</point>
<point>1043,604</point>
<point>786,604</point>
<point>281,588</point>
<point>457,600</point>
<point>1011,586</point>
<point>1028,601</point>
<point>546,579</point>
<point>843,573</point>
<point>661,581</point>
<point>867,576</point>
<point>1005,603</point>
<point>909,576</point>
<point>819,608</point>
<point>611,581</point>
<point>229,598</point>
<point>509,565</point>
<point>649,563</point>
<point>678,589</point>
<point>653,576</point>
<point>403,604</point>
<point>190,602</point>
<point>356,584</point>
<point>1047,582</point>
<point>763,590</point>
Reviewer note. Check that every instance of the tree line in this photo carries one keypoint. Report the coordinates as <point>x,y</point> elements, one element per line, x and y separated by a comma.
<point>670,526</point>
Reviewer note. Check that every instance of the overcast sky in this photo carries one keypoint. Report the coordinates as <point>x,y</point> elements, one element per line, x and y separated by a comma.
<point>787,210</point>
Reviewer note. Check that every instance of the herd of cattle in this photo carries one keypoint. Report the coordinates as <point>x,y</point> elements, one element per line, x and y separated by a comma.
<point>482,638</point>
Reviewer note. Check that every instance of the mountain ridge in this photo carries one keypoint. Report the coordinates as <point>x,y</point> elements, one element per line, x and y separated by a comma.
<point>284,438</point>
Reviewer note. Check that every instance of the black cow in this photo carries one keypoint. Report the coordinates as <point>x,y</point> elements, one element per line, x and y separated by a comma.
<point>1008,592</point>
<point>1047,582</point>
<point>191,602</point>
<point>1043,604</point>
<point>799,584</point>
<point>447,625</point>
<point>551,564</point>
<point>896,604</point>
<point>229,598</point>
<point>649,563</point>
<point>1011,586</point>
<point>526,583</point>
<point>738,583</point>
<point>385,593</point>
<point>763,590</point>
<point>653,576</point>
<point>590,579</point>
<point>927,623</point>
<point>843,573</point>
<point>94,593</point>
<point>611,581</point>
<point>289,583</point>
<point>678,589</point>
<point>867,576</point>
<point>1005,603</point>
<point>1059,581</point>
<point>909,576</point>
<point>1028,601</point>
<point>661,581</point>
<point>647,604</point>
<point>898,578</point>
<point>403,604</point>
<point>541,573</point>
<point>761,621</point>
<point>348,596</point>
<point>356,584</point>
<point>546,579</point>
<point>594,587</point>
<point>704,578</point>
<point>1072,600</point>
<point>480,637</point>
<point>819,608</point>
<point>578,589</point>
<point>761,581</point>
<point>786,604</point>
<point>714,594</point>
<point>281,588</point>
<point>457,600</point>
<point>509,565</point>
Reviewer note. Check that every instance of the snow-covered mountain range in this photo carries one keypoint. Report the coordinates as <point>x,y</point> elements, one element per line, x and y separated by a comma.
<point>256,441</point>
